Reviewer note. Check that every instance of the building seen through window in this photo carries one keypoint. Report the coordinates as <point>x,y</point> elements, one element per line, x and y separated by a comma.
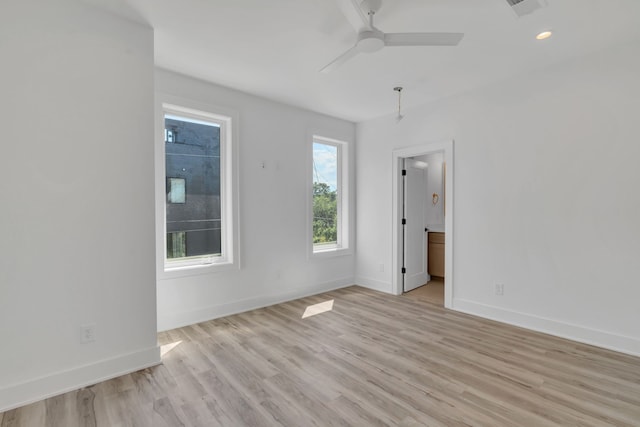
<point>193,206</point>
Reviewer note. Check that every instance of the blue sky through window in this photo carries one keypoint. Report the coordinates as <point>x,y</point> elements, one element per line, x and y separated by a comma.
<point>325,164</point>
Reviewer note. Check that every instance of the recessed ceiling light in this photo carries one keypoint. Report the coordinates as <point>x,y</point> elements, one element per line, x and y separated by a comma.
<point>544,35</point>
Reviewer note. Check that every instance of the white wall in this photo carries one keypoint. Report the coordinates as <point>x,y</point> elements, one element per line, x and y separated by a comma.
<point>273,211</point>
<point>434,214</point>
<point>546,198</point>
<point>76,179</point>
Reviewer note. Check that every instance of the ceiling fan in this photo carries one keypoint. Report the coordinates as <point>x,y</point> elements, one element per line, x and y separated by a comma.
<point>370,39</point>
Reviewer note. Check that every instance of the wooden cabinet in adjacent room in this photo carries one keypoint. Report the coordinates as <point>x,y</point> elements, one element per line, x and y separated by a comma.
<point>436,254</point>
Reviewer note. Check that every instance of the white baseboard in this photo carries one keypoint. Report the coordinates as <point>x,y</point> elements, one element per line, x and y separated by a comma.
<point>169,321</point>
<point>376,285</point>
<point>37,389</point>
<point>608,340</point>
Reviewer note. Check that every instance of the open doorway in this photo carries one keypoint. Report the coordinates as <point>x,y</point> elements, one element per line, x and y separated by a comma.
<point>414,233</point>
<point>425,208</point>
<point>422,220</point>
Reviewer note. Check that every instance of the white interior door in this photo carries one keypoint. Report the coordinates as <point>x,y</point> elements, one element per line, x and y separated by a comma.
<point>415,197</point>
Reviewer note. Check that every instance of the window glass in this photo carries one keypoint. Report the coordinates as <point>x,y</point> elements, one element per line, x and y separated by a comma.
<point>176,190</point>
<point>193,202</point>
<point>325,194</point>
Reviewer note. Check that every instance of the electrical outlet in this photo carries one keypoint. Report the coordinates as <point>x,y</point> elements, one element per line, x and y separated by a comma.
<point>87,333</point>
<point>500,289</point>
<point>381,268</point>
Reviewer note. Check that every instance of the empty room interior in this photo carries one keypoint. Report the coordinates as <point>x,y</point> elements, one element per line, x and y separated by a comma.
<point>320,212</point>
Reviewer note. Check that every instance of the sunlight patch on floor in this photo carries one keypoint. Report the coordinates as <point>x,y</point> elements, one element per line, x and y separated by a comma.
<point>319,308</point>
<point>164,349</point>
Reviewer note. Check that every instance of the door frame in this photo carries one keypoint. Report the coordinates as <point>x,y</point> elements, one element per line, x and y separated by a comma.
<point>396,263</point>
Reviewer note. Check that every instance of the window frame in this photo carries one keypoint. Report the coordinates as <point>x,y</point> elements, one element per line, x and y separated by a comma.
<point>227,120</point>
<point>343,244</point>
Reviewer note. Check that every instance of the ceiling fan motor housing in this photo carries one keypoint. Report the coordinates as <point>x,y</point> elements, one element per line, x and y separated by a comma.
<point>370,41</point>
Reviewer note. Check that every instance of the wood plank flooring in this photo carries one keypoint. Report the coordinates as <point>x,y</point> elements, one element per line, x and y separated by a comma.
<point>432,291</point>
<point>372,360</point>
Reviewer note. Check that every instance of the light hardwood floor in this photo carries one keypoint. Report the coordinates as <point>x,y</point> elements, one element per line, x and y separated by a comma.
<point>373,359</point>
<point>432,292</point>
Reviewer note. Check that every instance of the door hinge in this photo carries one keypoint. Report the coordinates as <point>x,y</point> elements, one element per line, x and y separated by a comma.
<point>404,172</point>
<point>404,270</point>
<point>404,221</point>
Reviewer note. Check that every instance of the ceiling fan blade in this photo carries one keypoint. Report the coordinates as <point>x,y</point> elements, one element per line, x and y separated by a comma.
<point>422,39</point>
<point>340,60</point>
<point>354,14</point>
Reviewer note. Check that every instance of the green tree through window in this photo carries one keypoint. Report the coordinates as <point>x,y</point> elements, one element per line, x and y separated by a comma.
<point>330,207</point>
<point>326,199</point>
<point>325,214</point>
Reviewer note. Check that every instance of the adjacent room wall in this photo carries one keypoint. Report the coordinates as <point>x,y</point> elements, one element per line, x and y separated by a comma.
<point>434,184</point>
<point>546,198</point>
<point>274,190</point>
<point>76,179</point>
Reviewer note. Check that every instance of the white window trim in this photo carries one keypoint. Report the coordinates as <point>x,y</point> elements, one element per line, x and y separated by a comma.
<point>167,104</point>
<point>344,244</point>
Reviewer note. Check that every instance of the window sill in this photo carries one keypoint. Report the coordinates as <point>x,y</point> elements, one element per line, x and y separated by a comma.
<point>174,272</point>
<point>331,252</point>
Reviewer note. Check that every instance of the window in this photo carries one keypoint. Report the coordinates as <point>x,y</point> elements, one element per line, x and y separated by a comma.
<point>176,191</point>
<point>330,195</point>
<point>176,245</point>
<point>197,207</point>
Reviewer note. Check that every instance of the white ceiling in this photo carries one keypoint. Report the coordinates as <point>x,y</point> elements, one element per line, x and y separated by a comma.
<point>275,48</point>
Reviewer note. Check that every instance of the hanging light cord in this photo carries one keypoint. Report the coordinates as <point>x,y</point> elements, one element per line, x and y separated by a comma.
<point>399,90</point>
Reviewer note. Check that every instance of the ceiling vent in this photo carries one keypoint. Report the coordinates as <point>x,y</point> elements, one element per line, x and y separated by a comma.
<point>525,7</point>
